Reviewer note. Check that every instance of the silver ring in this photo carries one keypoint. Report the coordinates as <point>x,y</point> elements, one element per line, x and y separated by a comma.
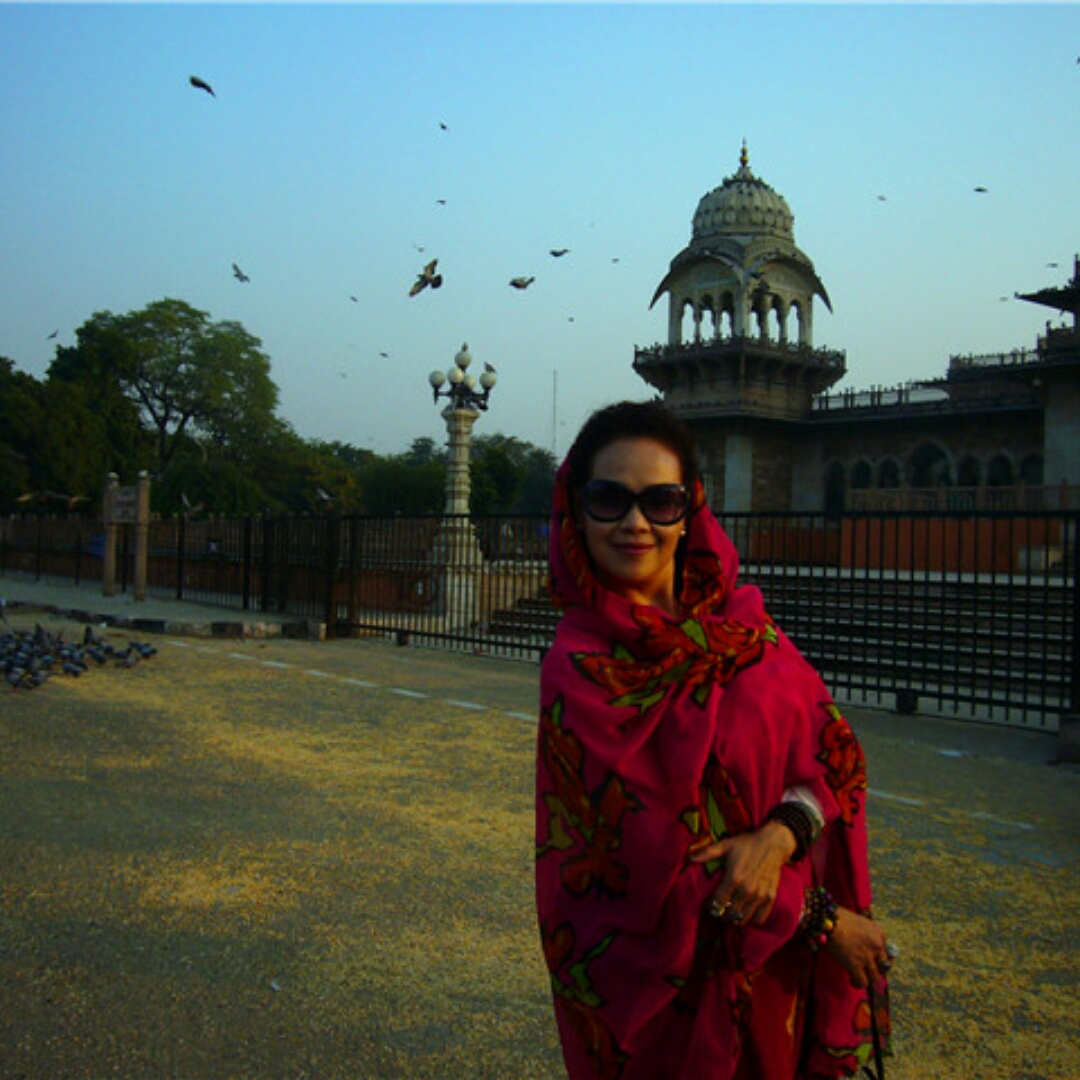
<point>728,912</point>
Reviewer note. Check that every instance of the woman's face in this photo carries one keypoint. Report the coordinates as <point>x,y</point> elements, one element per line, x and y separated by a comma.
<point>632,556</point>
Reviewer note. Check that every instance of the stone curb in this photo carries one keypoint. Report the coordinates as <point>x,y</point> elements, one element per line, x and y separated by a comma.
<point>303,629</point>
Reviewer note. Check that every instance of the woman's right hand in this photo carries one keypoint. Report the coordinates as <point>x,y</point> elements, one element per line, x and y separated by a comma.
<point>857,944</point>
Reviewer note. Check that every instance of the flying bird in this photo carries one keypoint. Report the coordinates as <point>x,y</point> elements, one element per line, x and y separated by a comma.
<point>558,253</point>
<point>52,335</point>
<point>426,277</point>
<point>522,282</point>
<point>354,300</point>
<point>441,202</point>
<point>443,126</point>
<point>201,84</point>
<point>981,190</point>
<point>239,274</point>
<point>881,198</point>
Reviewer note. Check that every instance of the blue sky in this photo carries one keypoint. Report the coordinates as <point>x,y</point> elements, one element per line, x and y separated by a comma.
<point>319,167</point>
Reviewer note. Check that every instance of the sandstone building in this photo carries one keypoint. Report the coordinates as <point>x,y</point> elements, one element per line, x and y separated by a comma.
<point>740,367</point>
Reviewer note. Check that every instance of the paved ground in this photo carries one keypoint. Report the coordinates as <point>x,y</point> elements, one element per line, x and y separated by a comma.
<point>263,857</point>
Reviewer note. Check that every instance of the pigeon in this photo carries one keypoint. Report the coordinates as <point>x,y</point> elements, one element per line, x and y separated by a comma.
<point>981,190</point>
<point>426,277</point>
<point>488,368</point>
<point>52,336</point>
<point>441,202</point>
<point>558,253</point>
<point>239,274</point>
<point>354,299</point>
<point>522,282</point>
<point>443,126</point>
<point>201,84</point>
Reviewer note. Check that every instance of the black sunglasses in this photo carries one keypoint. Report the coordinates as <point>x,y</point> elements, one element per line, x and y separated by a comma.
<point>608,500</point>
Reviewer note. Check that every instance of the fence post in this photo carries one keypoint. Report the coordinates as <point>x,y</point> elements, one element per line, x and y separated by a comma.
<point>1069,729</point>
<point>108,512</point>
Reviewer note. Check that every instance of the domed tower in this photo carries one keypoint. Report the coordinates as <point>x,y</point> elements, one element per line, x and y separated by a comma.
<point>740,362</point>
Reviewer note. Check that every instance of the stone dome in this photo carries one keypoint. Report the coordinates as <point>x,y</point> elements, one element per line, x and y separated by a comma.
<point>742,206</point>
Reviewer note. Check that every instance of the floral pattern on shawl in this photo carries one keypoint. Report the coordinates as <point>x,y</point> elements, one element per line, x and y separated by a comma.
<point>586,824</point>
<point>691,655</point>
<point>844,763</point>
<point>573,989</point>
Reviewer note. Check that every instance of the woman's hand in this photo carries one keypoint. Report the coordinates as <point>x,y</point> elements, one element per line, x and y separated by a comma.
<point>752,865</point>
<point>857,944</point>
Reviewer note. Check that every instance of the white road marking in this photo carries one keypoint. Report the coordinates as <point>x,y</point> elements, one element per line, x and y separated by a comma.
<point>318,674</point>
<point>896,798</point>
<point>408,693</point>
<point>983,816</point>
<point>279,664</point>
<point>465,704</point>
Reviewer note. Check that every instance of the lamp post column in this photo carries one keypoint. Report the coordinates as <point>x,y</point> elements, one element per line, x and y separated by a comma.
<point>456,548</point>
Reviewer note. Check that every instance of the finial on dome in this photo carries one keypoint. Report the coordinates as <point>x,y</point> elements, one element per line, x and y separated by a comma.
<point>744,157</point>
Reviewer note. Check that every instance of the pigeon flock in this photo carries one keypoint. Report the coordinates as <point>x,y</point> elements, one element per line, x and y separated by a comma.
<point>29,658</point>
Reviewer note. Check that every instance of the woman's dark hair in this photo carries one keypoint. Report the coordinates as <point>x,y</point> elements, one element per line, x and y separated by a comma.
<point>631,420</point>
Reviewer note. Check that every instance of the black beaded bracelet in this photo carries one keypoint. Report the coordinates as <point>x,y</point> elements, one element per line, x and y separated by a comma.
<point>819,917</point>
<point>797,818</point>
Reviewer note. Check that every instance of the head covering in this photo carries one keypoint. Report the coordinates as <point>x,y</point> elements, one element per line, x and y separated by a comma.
<point>659,734</point>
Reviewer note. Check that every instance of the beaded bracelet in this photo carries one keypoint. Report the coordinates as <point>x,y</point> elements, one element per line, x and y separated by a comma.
<point>797,819</point>
<point>819,917</point>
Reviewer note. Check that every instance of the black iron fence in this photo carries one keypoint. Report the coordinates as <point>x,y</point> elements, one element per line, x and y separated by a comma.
<point>968,615</point>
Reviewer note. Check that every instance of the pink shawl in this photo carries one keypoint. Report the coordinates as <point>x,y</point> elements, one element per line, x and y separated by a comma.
<point>657,736</point>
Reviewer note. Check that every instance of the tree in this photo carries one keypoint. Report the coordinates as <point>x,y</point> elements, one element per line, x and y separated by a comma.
<point>185,376</point>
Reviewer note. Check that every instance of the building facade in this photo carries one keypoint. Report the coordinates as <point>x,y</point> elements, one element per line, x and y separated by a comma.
<point>741,369</point>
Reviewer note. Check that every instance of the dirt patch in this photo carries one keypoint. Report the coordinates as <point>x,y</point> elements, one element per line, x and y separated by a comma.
<point>296,860</point>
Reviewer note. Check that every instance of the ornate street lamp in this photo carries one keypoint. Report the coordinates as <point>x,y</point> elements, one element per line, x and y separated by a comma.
<point>461,387</point>
<point>466,399</point>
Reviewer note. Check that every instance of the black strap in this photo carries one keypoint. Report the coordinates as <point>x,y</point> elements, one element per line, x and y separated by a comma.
<point>879,1060</point>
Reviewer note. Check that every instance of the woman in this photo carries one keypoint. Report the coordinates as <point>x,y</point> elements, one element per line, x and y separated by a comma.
<point>702,883</point>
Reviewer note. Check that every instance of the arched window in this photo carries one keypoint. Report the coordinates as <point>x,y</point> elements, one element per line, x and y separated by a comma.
<point>835,489</point>
<point>862,476</point>
<point>929,467</point>
<point>969,474</point>
<point>999,473</point>
<point>889,474</point>
<point>686,322</point>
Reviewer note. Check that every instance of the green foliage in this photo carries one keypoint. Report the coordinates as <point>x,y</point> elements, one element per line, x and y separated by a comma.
<point>167,390</point>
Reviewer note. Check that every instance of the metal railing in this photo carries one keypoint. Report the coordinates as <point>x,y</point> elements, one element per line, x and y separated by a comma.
<point>972,615</point>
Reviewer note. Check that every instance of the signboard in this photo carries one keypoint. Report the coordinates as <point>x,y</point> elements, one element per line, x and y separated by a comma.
<point>126,505</point>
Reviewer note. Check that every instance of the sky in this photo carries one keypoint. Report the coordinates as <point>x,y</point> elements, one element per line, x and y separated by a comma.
<point>348,144</point>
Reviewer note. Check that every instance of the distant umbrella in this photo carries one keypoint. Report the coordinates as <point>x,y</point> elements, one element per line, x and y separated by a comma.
<point>522,282</point>
<point>201,84</point>
<point>427,277</point>
<point>239,274</point>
